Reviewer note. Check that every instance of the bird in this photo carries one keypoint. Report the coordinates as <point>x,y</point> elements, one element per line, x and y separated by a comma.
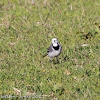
<point>54,49</point>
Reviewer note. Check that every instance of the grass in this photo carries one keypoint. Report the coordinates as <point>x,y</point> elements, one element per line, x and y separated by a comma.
<point>26,30</point>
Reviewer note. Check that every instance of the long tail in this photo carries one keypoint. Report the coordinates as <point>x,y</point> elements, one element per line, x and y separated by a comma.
<point>44,55</point>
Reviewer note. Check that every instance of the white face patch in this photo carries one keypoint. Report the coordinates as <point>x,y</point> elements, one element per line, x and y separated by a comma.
<point>55,44</point>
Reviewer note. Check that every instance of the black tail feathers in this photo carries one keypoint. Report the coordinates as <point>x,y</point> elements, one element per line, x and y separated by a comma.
<point>44,55</point>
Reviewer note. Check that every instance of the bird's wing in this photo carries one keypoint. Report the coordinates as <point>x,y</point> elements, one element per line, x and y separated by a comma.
<point>50,49</point>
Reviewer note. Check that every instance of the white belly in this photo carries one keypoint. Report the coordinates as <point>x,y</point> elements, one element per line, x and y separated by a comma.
<point>54,53</point>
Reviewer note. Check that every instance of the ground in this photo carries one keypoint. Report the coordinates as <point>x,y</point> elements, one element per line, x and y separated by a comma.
<point>26,30</point>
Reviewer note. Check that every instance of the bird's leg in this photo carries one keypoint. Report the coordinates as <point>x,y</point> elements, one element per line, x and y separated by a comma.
<point>50,59</point>
<point>57,60</point>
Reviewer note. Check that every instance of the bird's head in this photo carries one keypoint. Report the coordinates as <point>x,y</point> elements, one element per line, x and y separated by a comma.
<point>54,42</point>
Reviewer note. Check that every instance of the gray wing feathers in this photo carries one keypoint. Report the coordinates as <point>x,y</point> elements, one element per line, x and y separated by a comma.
<point>50,49</point>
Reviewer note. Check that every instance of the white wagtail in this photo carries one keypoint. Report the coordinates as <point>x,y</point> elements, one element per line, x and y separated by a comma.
<point>54,50</point>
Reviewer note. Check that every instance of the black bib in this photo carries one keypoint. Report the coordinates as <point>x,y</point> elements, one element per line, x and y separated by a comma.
<point>56,48</point>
